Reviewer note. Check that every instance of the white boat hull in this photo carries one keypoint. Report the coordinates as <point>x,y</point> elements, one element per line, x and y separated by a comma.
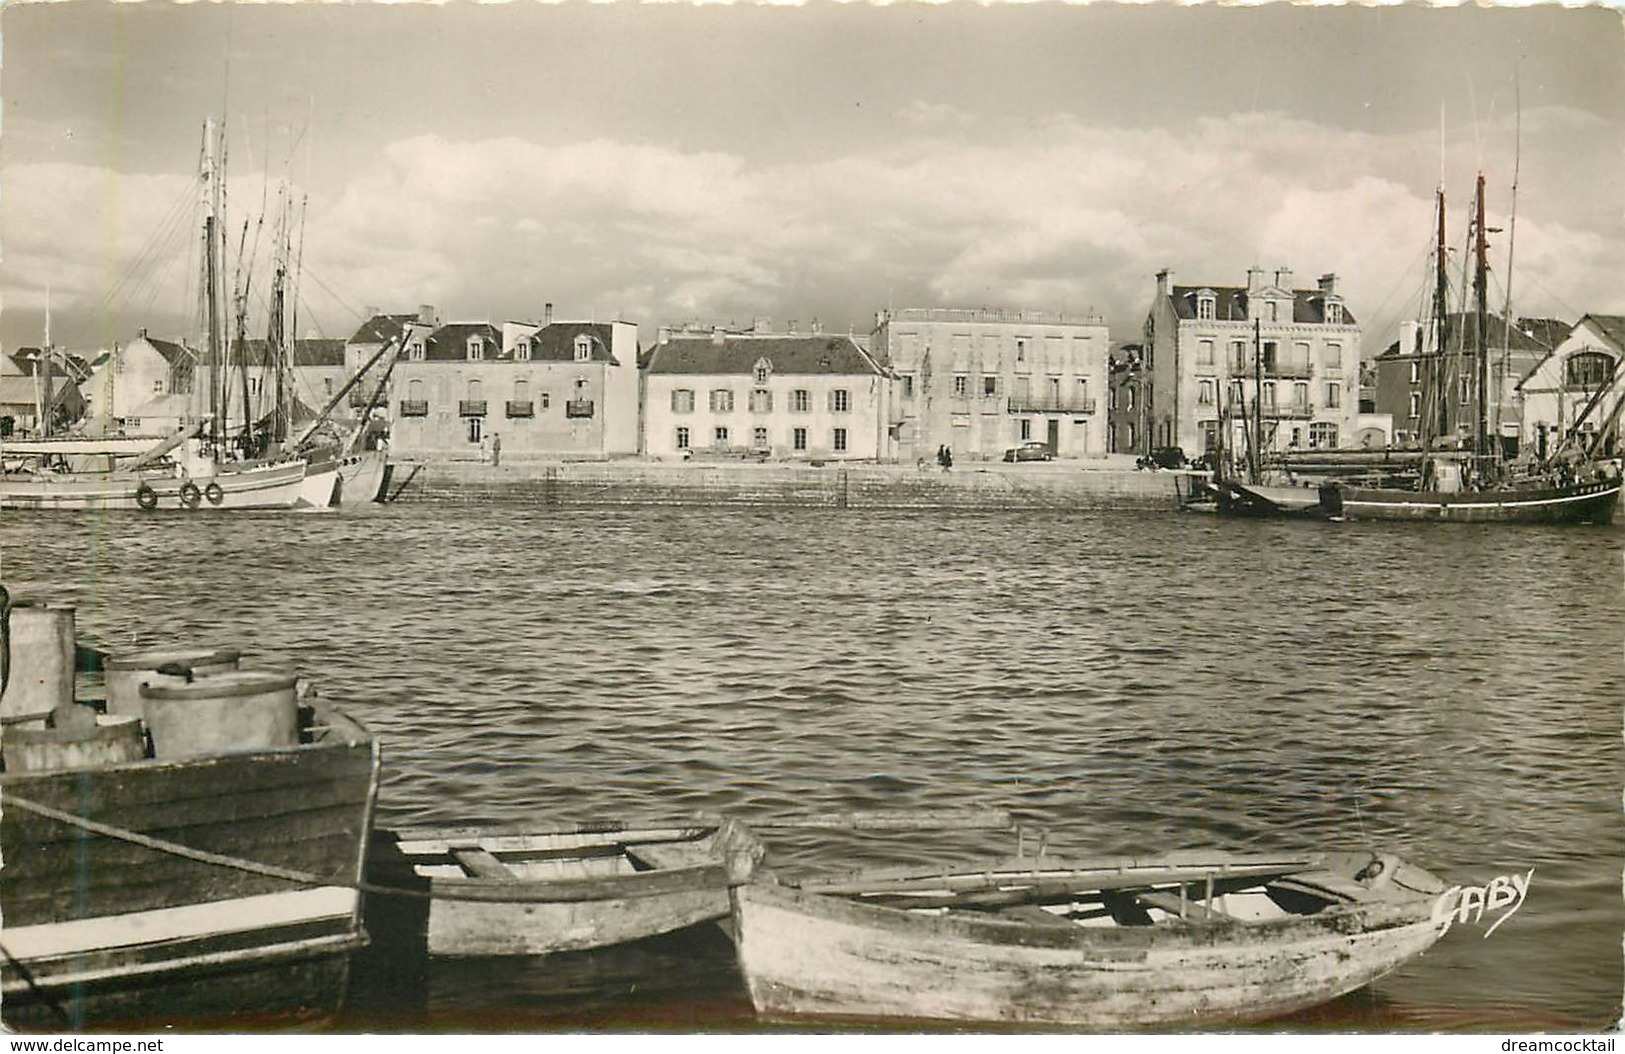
<point>275,486</point>
<point>363,477</point>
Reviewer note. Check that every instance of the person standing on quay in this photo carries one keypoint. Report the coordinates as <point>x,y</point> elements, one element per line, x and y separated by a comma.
<point>947,458</point>
<point>496,449</point>
<point>485,448</point>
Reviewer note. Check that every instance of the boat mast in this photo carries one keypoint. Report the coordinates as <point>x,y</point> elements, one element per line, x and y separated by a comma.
<point>1481,360</point>
<point>211,286</point>
<point>1256,462</point>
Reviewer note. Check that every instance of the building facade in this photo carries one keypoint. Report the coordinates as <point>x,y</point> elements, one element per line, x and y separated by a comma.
<point>1582,371</point>
<point>1126,428</point>
<point>1426,390</point>
<point>786,396</point>
<point>533,390</point>
<point>150,386</point>
<point>981,381</point>
<point>369,339</point>
<point>1283,360</point>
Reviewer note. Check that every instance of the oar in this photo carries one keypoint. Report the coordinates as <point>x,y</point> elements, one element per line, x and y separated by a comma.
<point>896,820</point>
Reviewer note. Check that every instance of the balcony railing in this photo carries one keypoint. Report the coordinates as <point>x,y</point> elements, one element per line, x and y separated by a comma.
<point>578,408</point>
<point>1033,404</point>
<point>414,408</point>
<point>524,409</point>
<point>1289,409</point>
<point>1300,371</point>
<point>471,408</point>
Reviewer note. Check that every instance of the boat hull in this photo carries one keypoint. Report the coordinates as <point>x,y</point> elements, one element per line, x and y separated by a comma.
<point>111,931</point>
<point>593,895</point>
<point>364,476</point>
<point>322,486</point>
<point>275,486</point>
<point>807,955</point>
<point>1270,502</point>
<point>1585,503</point>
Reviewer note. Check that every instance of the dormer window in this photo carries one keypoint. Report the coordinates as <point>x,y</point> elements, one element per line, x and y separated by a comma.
<point>1334,313</point>
<point>583,348</point>
<point>1204,304</point>
<point>415,352</point>
<point>763,370</point>
<point>476,349</point>
<point>521,350</point>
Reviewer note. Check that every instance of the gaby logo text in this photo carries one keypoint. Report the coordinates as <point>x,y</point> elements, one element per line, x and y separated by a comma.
<point>1464,904</point>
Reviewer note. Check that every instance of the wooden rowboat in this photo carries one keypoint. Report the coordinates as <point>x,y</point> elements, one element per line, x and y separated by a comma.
<point>492,892</point>
<point>1183,942</point>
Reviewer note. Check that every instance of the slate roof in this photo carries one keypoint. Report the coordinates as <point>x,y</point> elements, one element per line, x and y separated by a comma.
<point>19,392</point>
<point>1547,332</point>
<point>450,343</point>
<point>554,342</point>
<point>315,351</point>
<point>1230,303</point>
<point>380,328</point>
<point>173,353</point>
<point>812,354</point>
<point>1612,327</point>
<point>1463,321</point>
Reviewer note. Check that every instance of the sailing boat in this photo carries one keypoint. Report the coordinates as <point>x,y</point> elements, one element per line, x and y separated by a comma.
<point>192,469</point>
<point>1473,483</point>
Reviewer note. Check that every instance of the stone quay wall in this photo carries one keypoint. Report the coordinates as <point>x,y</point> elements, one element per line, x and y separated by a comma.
<point>992,485</point>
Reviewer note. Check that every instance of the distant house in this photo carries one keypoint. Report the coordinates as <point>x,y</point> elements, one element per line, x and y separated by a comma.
<point>317,371</point>
<point>548,389</point>
<point>150,386</point>
<point>1126,430</point>
<point>982,380</point>
<point>21,393</point>
<point>1286,356</point>
<point>1582,368</point>
<point>370,338</point>
<point>1423,388</point>
<point>792,396</point>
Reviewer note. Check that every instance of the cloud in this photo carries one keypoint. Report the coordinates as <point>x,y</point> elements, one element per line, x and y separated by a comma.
<point>1062,215</point>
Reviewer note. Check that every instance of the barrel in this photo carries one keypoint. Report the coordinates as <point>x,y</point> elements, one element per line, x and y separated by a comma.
<point>233,710</point>
<point>114,740</point>
<point>41,675</point>
<point>128,672</point>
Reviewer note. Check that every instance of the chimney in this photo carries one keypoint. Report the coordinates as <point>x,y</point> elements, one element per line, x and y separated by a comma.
<point>547,313</point>
<point>817,327</point>
<point>663,335</point>
<point>426,314</point>
<point>761,325</point>
<point>1164,277</point>
<point>1283,278</point>
<point>793,324</point>
<point>1328,284</point>
<point>1255,280</point>
<point>143,333</point>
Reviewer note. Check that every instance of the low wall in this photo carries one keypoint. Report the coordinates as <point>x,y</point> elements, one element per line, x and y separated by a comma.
<point>867,486</point>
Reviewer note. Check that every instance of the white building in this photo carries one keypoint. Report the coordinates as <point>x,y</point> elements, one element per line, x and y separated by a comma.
<point>1580,369</point>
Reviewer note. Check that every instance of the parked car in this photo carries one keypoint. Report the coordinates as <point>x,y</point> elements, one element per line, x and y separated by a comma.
<point>1163,457</point>
<point>1032,451</point>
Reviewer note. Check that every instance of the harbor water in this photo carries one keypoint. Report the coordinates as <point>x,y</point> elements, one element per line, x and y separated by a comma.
<point>1126,683</point>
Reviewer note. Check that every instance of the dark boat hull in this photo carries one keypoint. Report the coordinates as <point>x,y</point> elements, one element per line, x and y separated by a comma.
<point>1584,503</point>
<point>1263,502</point>
<point>103,931</point>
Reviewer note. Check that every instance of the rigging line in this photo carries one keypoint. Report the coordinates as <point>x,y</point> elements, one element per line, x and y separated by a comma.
<point>158,243</point>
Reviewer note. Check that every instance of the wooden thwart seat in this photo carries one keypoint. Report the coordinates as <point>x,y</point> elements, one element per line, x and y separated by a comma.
<point>480,863</point>
<point>1189,910</point>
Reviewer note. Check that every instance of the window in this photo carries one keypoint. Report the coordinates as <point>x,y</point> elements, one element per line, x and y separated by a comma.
<point>1331,356</point>
<point>1416,372</point>
<point>762,371</point>
<point>521,350</point>
<point>682,400</point>
<point>1204,353</point>
<point>476,429</point>
<point>840,400</point>
<point>1111,399</point>
<point>907,380</point>
<point>1334,314</point>
<point>801,400</point>
<point>543,400</point>
<point>1466,387</point>
<point>1268,399</point>
<point>1204,392</point>
<point>1021,349</point>
<point>1271,350</point>
<point>840,440</point>
<point>1275,311</point>
<point>1300,354</point>
<point>798,438</point>
<point>961,386</point>
<point>1026,431</point>
<point>682,439</point>
<point>583,348</point>
<point>327,385</point>
<point>521,391</point>
<point>722,400</point>
<point>415,352</point>
<point>719,437</point>
<point>1128,397</point>
<point>1204,306</point>
<point>759,438</point>
<point>1587,369</point>
<point>1300,395</point>
<point>1238,354</point>
<point>414,390</point>
<point>761,401</point>
<point>1416,405</point>
<point>1322,435</point>
<point>476,349</point>
<point>1128,435</point>
<point>990,386</point>
<point>1334,396</point>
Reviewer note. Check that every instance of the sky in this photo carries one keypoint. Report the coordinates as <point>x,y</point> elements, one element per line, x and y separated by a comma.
<point>674,163</point>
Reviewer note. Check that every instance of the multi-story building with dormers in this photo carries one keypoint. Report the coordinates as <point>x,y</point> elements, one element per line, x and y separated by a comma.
<point>981,381</point>
<point>788,396</point>
<point>545,390</point>
<point>1290,357</point>
<point>1582,373</point>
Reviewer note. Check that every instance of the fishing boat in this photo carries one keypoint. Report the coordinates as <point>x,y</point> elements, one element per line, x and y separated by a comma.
<point>193,864</point>
<point>1189,941</point>
<point>573,887</point>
